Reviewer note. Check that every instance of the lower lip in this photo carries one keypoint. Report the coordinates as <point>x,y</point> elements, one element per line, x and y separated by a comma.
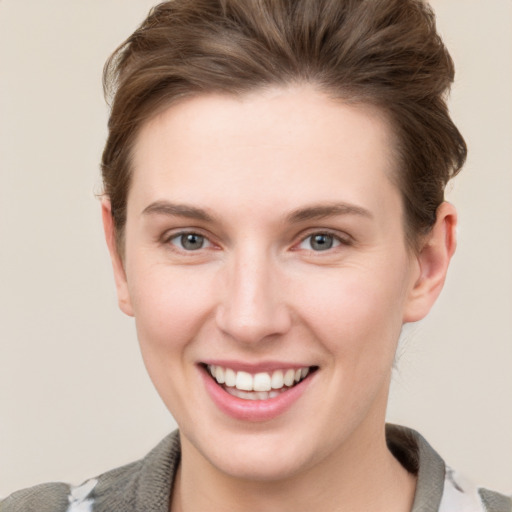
<point>253,410</point>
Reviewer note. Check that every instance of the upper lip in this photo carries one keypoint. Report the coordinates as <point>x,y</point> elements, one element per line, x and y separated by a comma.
<point>263,366</point>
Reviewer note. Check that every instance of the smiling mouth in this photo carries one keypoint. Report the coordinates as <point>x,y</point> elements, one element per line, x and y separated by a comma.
<point>258,386</point>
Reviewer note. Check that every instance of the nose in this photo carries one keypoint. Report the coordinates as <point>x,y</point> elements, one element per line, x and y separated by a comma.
<point>252,307</point>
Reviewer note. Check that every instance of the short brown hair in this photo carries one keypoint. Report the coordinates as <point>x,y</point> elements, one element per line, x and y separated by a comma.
<point>385,53</point>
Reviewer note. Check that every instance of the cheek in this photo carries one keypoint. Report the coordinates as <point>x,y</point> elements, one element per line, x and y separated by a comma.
<point>171,313</point>
<point>170,307</point>
<point>354,312</point>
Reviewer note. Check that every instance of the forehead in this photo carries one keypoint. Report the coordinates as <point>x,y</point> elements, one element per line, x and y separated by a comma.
<point>286,144</point>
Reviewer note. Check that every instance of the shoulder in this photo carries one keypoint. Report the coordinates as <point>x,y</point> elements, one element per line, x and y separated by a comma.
<point>439,488</point>
<point>62,497</point>
<point>141,485</point>
<point>461,494</point>
<point>495,502</point>
<point>41,498</point>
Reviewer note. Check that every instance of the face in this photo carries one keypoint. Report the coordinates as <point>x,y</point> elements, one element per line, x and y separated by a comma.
<point>265,246</point>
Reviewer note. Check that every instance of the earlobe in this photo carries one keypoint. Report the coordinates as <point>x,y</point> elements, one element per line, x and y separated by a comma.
<point>433,258</point>
<point>123,295</point>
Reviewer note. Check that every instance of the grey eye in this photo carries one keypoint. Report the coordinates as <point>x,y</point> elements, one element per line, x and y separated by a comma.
<point>322,242</point>
<point>189,241</point>
<point>319,242</point>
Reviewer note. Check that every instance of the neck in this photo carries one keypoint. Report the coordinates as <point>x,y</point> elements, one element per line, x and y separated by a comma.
<point>364,476</point>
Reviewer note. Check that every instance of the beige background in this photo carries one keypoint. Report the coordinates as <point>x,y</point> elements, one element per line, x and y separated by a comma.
<point>74,396</point>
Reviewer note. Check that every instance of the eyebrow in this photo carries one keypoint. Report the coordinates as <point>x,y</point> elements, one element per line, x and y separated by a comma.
<point>314,212</point>
<point>321,211</point>
<point>177,210</point>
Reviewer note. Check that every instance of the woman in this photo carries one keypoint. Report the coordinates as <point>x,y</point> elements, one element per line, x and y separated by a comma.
<point>274,179</point>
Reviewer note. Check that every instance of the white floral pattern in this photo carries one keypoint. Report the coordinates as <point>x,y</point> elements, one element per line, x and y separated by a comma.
<point>79,500</point>
<point>459,494</point>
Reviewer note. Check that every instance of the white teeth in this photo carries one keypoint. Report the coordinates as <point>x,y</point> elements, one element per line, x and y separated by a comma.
<point>277,381</point>
<point>230,377</point>
<point>262,382</point>
<point>244,381</point>
<point>248,395</point>
<point>219,374</point>
<point>260,386</point>
<point>289,377</point>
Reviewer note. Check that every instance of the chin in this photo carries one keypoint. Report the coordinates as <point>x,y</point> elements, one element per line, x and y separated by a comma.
<point>261,467</point>
<point>258,456</point>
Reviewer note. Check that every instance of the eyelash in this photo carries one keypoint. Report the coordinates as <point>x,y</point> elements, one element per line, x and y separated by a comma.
<point>333,239</point>
<point>337,241</point>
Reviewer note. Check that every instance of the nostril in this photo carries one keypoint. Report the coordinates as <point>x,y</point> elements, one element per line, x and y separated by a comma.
<point>254,324</point>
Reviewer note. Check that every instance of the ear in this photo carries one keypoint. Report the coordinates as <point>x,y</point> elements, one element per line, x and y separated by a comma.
<point>123,295</point>
<point>433,259</point>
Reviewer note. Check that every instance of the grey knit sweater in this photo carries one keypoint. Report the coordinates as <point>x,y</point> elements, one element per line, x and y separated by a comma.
<point>144,486</point>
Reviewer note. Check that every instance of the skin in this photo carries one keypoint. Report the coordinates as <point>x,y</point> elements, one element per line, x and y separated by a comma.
<point>258,290</point>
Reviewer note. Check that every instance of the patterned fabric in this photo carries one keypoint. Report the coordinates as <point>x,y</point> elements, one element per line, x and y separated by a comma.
<point>145,485</point>
<point>80,499</point>
<point>460,494</point>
